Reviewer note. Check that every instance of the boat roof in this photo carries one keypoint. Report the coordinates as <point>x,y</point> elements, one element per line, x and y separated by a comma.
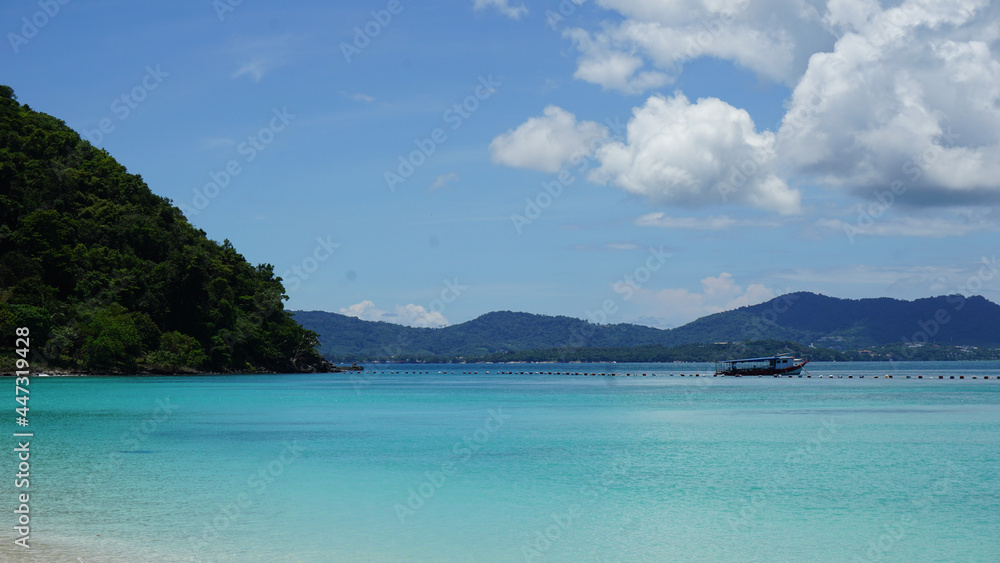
<point>759,359</point>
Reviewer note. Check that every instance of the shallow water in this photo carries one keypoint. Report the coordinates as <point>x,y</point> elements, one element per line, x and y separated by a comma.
<point>442,464</point>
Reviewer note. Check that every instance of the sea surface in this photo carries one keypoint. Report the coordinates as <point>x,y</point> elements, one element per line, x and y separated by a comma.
<point>464,463</point>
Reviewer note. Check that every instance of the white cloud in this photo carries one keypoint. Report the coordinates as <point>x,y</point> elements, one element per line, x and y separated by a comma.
<point>442,181</point>
<point>696,154</point>
<point>883,91</point>
<point>904,92</point>
<point>255,69</point>
<point>547,142</point>
<point>502,6</point>
<point>409,315</point>
<point>910,94</point>
<point>612,69</point>
<point>773,38</point>
<point>679,306</point>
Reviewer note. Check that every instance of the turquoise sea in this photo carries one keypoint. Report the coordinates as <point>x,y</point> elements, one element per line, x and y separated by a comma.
<point>463,463</point>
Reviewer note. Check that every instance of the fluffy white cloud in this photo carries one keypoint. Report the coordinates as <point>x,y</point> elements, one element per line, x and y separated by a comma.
<point>547,142</point>
<point>773,38</point>
<point>502,6</point>
<point>696,154</point>
<point>903,94</point>
<point>910,94</point>
<point>603,64</point>
<point>674,307</point>
<point>409,315</point>
<point>884,92</point>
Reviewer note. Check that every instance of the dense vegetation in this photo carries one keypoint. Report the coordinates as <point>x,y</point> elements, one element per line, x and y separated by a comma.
<point>938,328</point>
<point>952,320</point>
<point>682,353</point>
<point>348,338</point>
<point>752,349</point>
<point>112,278</point>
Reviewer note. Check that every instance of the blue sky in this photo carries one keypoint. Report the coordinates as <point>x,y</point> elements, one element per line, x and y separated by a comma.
<point>699,155</point>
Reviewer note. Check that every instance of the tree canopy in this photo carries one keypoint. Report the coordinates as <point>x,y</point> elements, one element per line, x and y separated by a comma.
<point>112,278</point>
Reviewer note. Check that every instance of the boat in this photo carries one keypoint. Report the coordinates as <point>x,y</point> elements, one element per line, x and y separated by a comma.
<point>773,365</point>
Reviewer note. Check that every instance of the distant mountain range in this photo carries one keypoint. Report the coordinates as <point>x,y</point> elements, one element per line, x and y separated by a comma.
<point>803,318</point>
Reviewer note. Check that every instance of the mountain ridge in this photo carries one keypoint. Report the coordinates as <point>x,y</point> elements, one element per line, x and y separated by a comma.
<point>803,317</point>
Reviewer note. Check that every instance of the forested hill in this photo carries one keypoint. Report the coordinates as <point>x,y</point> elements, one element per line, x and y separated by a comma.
<point>811,318</point>
<point>346,338</point>
<point>112,278</point>
<point>803,318</point>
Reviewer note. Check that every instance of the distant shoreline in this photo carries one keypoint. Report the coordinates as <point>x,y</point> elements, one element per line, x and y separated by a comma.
<point>346,369</point>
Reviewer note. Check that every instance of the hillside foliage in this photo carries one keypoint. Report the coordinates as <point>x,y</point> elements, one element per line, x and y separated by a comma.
<point>945,327</point>
<point>112,278</point>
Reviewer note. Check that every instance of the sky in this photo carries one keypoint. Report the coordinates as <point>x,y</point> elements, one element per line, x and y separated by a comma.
<point>637,161</point>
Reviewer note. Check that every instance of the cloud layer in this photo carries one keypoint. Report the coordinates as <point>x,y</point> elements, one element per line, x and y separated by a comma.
<point>675,152</point>
<point>906,95</point>
<point>909,95</point>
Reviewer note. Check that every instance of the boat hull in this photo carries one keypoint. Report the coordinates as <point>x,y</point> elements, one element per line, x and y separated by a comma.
<point>791,370</point>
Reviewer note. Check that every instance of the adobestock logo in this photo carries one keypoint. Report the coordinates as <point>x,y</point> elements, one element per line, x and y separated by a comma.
<point>31,26</point>
<point>364,34</point>
<point>455,116</point>
<point>249,149</point>
<point>125,104</point>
